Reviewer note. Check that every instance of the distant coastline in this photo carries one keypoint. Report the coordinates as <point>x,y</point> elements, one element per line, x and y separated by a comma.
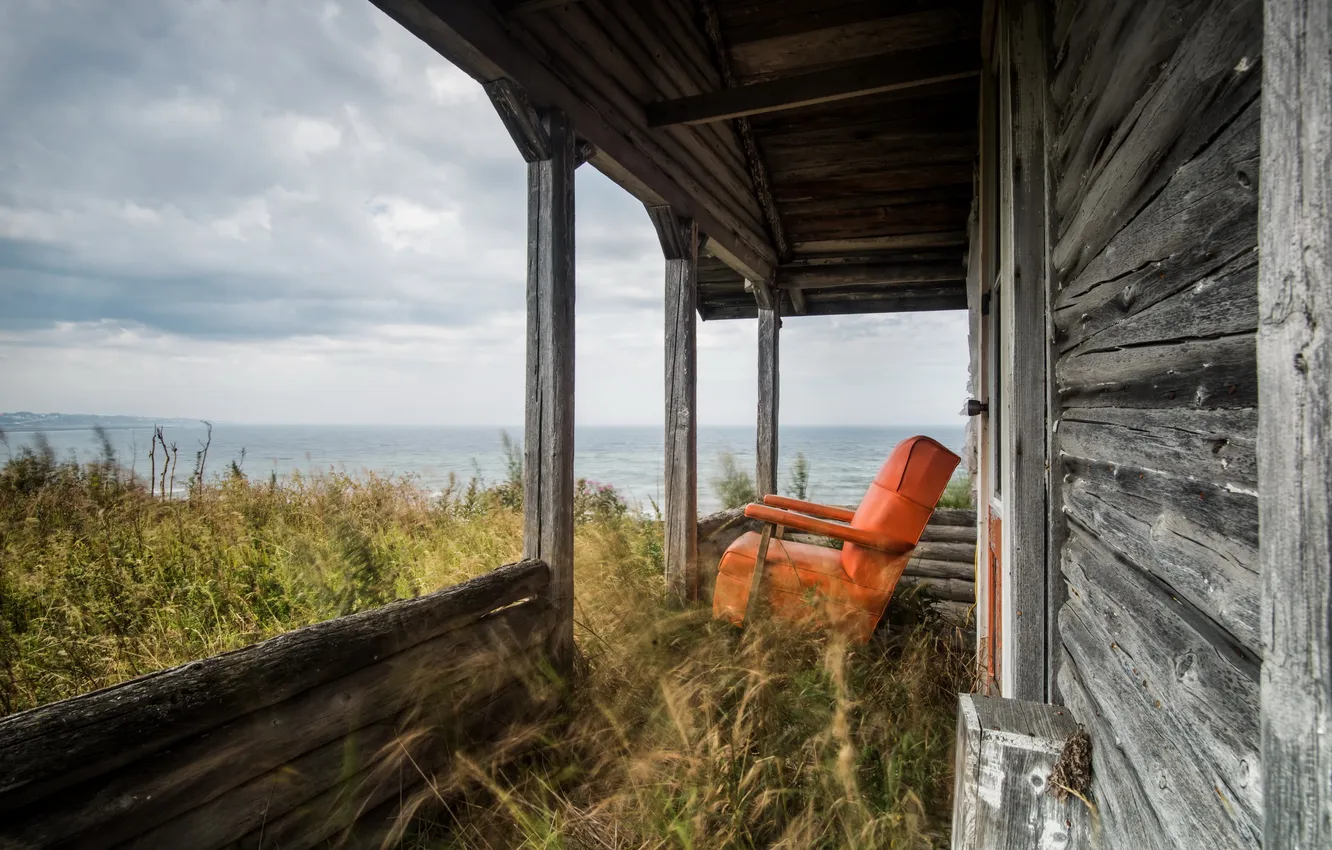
<point>24,420</point>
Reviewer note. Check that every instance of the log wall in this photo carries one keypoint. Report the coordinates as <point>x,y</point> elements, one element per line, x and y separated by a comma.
<point>325,732</point>
<point>1153,157</point>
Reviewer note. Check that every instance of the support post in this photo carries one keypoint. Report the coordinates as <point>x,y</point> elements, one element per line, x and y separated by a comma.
<point>1295,423</point>
<point>548,429</point>
<point>769,383</point>
<point>679,242</point>
<point>1025,494</point>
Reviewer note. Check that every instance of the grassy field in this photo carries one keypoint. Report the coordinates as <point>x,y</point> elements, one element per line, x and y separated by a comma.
<point>684,733</point>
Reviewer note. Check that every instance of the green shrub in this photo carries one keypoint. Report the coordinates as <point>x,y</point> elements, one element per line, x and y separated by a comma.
<point>734,487</point>
<point>799,486</point>
<point>959,493</point>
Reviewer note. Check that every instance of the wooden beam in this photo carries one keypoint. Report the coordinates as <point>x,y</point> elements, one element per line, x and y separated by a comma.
<point>822,277</point>
<point>471,35</point>
<point>763,294</point>
<point>929,297</point>
<point>758,167</point>
<point>548,430</point>
<point>520,119</point>
<point>769,385</point>
<point>797,297</point>
<point>903,70</point>
<point>527,7</point>
<point>736,263</point>
<point>1295,422</point>
<point>904,242</point>
<point>679,242</point>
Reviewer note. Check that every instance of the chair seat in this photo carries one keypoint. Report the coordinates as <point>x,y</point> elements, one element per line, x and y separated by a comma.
<point>802,581</point>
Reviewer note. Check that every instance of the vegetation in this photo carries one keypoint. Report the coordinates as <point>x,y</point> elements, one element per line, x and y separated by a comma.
<point>733,486</point>
<point>959,493</point>
<point>683,732</point>
<point>799,486</point>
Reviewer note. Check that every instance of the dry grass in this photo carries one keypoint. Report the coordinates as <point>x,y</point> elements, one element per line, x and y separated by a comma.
<point>682,731</point>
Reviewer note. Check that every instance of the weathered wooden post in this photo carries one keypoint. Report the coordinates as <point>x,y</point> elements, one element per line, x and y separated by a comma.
<point>547,142</point>
<point>1295,423</point>
<point>679,242</point>
<point>769,383</point>
<point>1007,792</point>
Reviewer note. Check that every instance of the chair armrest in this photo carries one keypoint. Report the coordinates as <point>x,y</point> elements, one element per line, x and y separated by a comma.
<point>846,533</point>
<point>801,506</point>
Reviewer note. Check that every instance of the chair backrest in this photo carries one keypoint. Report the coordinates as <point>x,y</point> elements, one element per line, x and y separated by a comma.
<point>901,499</point>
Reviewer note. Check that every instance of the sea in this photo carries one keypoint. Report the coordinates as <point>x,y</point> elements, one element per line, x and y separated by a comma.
<point>841,460</point>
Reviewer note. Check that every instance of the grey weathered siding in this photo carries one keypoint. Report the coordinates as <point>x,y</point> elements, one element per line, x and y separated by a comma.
<point>1154,168</point>
<point>323,733</point>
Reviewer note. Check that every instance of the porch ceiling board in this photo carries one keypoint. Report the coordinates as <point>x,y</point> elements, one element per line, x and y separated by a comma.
<point>872,192</point>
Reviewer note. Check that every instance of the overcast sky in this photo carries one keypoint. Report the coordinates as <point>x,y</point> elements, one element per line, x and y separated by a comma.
<point>294,211</point>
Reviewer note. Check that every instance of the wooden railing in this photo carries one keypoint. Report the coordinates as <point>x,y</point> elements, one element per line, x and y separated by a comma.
<point>322,731</point>
<point>942,567</point>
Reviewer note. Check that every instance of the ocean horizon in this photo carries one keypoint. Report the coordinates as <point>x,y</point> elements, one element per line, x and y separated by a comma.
<point>841,459</point>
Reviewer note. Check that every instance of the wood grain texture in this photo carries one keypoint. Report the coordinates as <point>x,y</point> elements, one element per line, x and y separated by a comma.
<point>1172,653</point>
<point>1183,792</point>
<point>769,388</point>
<point>1118,789</point>
<point>548,435</point>
<point>1027,392</point>
<point>53,747</point>
<point>206,769</point>
<point>1295,423</point>
<point>681,490</point>
<point>1209,79</point>
<point>1006,750</point>
<point>904,70</point>
<point>1198,539</point>
<point>519,118</point>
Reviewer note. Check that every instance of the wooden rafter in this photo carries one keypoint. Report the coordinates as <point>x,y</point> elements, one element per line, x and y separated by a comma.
<point>824,277</point>
<point>758,167</point>
<point>907,69</point>
<point>473,36</point>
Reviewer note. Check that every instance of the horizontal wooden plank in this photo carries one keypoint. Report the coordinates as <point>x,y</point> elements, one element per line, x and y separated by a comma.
<point>52,747</point>
<point>957,590</point>
<point>1181,671</point>
<point>1192,811</point>
<point>1119,789</point>
<point>1201,374</point>
<point>949,534</point>
<point>1210,78</point>
<point>1200,540</point>
<point>812,45</point>
<point>1204,220</point>
<point>1110,56</point>
<point>934,239</point>
<point>123,803</point>
<point>819,277</point>
<point>1211,445</point>
<point>903,70</point>
<point>1222,303</point>
<point>869,222</point>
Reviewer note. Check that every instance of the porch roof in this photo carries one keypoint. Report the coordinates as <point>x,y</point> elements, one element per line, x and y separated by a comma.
<point>825,147</point>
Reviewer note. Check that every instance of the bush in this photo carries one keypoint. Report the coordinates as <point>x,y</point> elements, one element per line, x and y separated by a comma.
<point>959,493</point>
<point>733,486</point>
<point>799,486</point>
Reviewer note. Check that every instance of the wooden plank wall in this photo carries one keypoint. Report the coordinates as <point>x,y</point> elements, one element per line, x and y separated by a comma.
<point>1153,153</point>
<point>290,742</point>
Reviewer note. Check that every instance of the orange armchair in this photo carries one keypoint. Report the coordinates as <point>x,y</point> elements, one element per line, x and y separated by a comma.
<point>849,588</point>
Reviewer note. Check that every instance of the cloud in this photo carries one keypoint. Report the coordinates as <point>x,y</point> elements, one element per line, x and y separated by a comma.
<point>296,211</point>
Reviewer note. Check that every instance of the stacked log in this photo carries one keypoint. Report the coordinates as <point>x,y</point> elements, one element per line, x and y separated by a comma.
<point>942,569</point>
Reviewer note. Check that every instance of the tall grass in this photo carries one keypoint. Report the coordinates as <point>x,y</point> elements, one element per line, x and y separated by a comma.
<point>682,732</point>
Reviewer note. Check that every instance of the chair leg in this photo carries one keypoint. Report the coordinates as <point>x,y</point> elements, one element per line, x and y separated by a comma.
<point>754,606</point>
